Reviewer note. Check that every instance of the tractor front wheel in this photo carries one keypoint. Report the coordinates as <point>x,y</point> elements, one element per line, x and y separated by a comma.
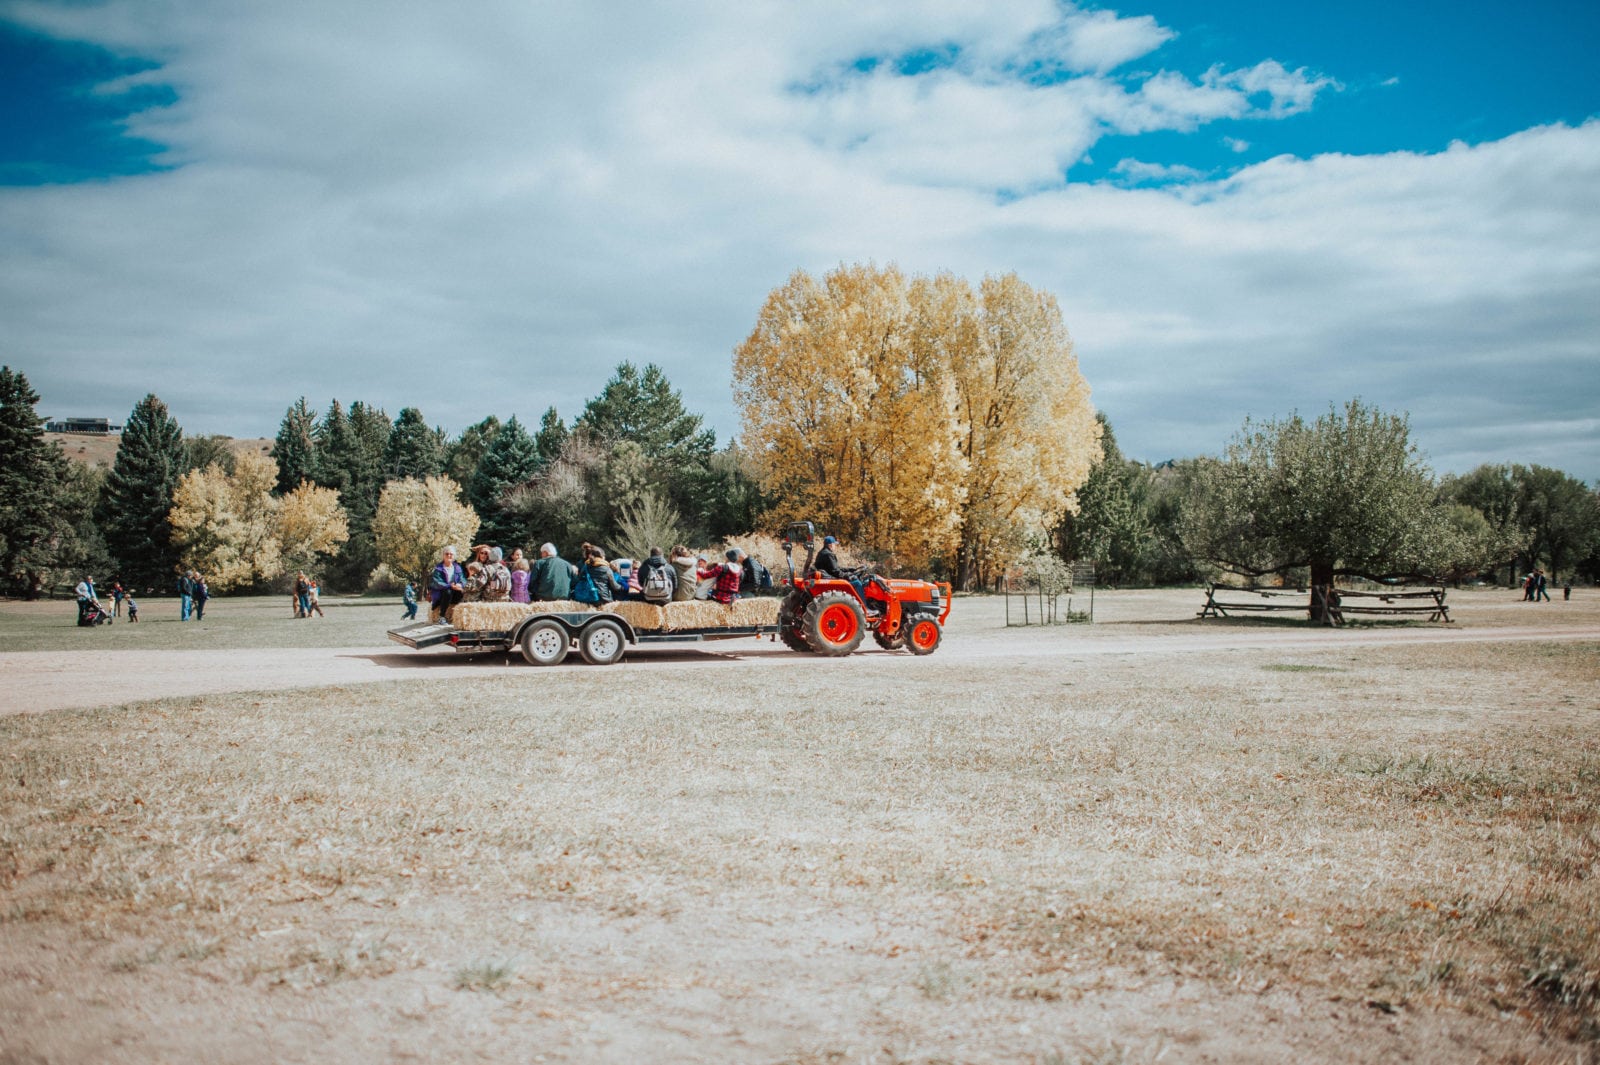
<point>834,624</point>
<point>923,636</point>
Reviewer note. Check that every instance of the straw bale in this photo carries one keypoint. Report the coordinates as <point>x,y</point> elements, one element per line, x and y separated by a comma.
<point>496,617</point>
<point>708,614</point>
<point>643,616</point>
<point>562,606</point>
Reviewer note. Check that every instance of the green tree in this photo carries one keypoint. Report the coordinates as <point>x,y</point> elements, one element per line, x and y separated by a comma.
<point>41,505</point>
<point>214,449</point>
<point>511,459</point>
<point>1491,490</point>
<point>1112,527</point>
<point>1559,514</point>
<point>642,406</point>
<point>350,454</point>
<point>413,449</point>
<point>138,494</point>
<point>466,451</point>
<point>551,437</point>
<point>1346,495</point>
<point>295,448</point>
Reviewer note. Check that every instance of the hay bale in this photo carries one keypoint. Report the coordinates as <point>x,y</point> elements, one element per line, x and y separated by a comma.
<point>499,617</point>
<point>642,616</point>
<point>709,614</point>
<point>563,606</point>
<point>488,617</point>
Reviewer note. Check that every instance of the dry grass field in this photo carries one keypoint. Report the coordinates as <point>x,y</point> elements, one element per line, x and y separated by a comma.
<point>1148,839</point>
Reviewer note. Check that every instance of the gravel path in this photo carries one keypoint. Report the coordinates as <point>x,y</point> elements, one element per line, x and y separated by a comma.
<point>38,681</point>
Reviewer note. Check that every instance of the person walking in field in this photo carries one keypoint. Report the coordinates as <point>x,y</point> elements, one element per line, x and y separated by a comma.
<point>133,610</point>
<point>185,595</point>
<point>313,598</point>
<point>302,596</point>
<point>202,595</point>
<point>1541,590</point>
<point>117,595</point>
<point>409,598</point>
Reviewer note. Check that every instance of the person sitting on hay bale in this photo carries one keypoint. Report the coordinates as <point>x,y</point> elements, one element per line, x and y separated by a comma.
<point>448,584</point>
<point>658,579</point>
<point>550,579</point>
<point>727,576</point>
<point>688,567</point>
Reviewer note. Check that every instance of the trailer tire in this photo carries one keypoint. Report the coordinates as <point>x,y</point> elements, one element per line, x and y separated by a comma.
<point>545,643</point>
<point>602,643</point>
<point>835,624</point>
<point>923,636</point>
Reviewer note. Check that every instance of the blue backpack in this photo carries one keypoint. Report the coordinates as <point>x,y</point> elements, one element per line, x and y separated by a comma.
<point>583,589</point>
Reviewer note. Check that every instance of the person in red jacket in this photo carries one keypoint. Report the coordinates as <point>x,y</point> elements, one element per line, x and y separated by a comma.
<point>728,575</point>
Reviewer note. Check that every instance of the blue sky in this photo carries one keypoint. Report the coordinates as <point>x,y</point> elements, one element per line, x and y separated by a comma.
<point>1242,210</point>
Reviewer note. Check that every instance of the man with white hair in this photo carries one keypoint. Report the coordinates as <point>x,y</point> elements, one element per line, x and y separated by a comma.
<point>551,576</point>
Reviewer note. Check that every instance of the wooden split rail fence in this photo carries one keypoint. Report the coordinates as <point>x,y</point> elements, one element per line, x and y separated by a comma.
<point>1335,603</point>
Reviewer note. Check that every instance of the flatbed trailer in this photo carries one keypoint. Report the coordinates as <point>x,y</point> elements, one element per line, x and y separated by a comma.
<point>546,639</point>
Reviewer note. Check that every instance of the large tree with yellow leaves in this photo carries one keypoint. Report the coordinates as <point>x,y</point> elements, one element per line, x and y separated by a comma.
<point>917,416</point>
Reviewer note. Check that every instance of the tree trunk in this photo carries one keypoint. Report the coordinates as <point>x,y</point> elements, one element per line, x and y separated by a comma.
<point>1321,587</point>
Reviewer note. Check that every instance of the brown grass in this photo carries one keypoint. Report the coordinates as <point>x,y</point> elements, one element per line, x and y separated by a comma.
<point>1249,854</point>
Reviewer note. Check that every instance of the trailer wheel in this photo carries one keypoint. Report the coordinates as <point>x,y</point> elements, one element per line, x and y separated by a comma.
<point>834,624</point>
<point>923,636</point>
<point>545,643</point>
<point>897,642</point>
<point>601,643</point>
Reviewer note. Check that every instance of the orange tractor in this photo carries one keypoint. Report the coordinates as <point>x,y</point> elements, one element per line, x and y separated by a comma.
<point>830,615</point>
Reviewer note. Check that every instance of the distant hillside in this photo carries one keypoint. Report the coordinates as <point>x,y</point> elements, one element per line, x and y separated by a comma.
<point>100,449</point>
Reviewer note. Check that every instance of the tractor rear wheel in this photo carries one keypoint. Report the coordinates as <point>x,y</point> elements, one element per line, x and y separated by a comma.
<point>834,624</point>
<point>923,636</point>
<point>791,621</point>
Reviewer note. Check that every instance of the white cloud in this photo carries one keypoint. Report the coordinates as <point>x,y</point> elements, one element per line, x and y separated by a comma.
<point>481,210</point>
<point>1138,172</point>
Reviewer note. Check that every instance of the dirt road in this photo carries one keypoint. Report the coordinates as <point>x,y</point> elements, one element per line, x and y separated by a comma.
<point>40,681</point>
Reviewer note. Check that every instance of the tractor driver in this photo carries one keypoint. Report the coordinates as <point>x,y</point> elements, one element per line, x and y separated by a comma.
<point>827,563</point>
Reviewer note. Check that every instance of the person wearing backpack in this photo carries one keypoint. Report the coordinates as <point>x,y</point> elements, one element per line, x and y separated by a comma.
<point>594,578</point>
<point>658,579</point>
<point>757,578</point>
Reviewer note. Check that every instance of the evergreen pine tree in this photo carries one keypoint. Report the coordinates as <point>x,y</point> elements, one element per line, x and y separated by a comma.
<point>350,460</point>
<point>511,459</point>
<point>413,450</point>
<point>138,494</point>
<point>467,451</point>
<point>334,447</point>
<point>295,448</point>
<point>552,436</point>
<point>33,481</point>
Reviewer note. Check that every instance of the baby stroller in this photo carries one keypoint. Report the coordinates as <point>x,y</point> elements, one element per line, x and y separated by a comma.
<point>90,613</point>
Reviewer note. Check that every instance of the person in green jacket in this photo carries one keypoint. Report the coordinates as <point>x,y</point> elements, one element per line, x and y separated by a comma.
<point>551,576</point>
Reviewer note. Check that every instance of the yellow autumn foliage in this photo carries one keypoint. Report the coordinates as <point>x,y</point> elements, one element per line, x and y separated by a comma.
<point>226,526</point>
<point>916,417</point>
<point>415,519</point>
